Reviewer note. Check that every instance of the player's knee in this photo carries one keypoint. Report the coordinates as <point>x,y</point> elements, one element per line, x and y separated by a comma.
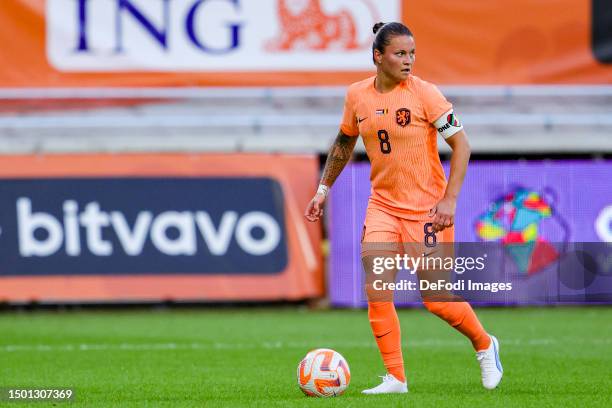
<point>375,295</point>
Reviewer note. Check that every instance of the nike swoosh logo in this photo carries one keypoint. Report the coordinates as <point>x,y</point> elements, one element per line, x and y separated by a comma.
<point>383,335</point>
<point>359,120</point>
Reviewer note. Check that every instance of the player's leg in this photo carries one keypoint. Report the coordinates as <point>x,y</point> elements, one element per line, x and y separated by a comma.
<point>461,316</point>
<point>453,309</point>
<point>380,241</point>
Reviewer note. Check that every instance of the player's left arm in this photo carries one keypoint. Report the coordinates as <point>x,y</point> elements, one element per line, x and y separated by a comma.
<point>444,212</point>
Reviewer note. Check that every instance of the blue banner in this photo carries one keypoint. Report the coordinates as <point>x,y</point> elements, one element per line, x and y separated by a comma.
<point>117,226</point>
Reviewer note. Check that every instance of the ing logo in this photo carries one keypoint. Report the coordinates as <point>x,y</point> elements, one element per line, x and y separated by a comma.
<point>306,25</point>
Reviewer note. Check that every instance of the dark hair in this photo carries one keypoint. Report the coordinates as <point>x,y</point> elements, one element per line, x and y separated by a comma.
<point>384,32</point>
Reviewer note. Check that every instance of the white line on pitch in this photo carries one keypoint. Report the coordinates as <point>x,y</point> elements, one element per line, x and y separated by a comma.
<point>277,345</point>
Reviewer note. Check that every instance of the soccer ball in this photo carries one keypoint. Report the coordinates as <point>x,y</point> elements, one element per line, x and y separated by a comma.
<point>323,373</point>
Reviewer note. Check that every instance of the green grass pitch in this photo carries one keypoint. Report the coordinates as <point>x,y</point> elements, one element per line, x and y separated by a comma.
<point>552,357</point>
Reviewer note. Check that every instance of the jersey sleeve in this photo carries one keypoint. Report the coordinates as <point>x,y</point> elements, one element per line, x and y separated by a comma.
<point>349,117</point>
<point>435,104</point>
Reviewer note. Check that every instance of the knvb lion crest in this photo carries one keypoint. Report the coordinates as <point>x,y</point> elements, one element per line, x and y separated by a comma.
<point>304,24</point>
<point>402,117</point>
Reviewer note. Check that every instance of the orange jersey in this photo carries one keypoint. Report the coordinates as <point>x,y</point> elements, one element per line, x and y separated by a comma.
<point>401,142</point>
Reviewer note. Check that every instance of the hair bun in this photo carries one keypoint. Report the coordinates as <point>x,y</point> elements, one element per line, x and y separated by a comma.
<point>377,27</point>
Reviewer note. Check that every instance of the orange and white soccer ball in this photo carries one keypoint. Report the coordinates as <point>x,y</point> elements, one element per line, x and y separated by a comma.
<point>323,373</point>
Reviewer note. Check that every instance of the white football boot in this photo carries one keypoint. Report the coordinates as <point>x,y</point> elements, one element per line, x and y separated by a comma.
<point>490,365</point>
<point>389,385</point>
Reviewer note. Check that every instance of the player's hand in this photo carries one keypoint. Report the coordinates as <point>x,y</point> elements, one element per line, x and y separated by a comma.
<point>314,211</point>
<point>443,214</point>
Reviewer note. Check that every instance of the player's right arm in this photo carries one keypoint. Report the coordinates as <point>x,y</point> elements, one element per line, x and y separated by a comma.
<point>339,154</point>
<point>337,158</point>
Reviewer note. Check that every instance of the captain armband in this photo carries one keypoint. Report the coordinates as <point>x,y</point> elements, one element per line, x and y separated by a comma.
<point>448,124</point>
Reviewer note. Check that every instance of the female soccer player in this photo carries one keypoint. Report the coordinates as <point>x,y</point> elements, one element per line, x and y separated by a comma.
<point>398,115</point>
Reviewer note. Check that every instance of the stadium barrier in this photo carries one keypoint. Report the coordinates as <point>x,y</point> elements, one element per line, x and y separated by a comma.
<point>152,227</point>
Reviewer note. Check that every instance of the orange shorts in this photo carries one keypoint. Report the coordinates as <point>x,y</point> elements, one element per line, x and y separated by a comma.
<point>386,233</point>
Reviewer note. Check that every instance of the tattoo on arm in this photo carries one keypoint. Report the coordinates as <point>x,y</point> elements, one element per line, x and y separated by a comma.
<point>339,154</point>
